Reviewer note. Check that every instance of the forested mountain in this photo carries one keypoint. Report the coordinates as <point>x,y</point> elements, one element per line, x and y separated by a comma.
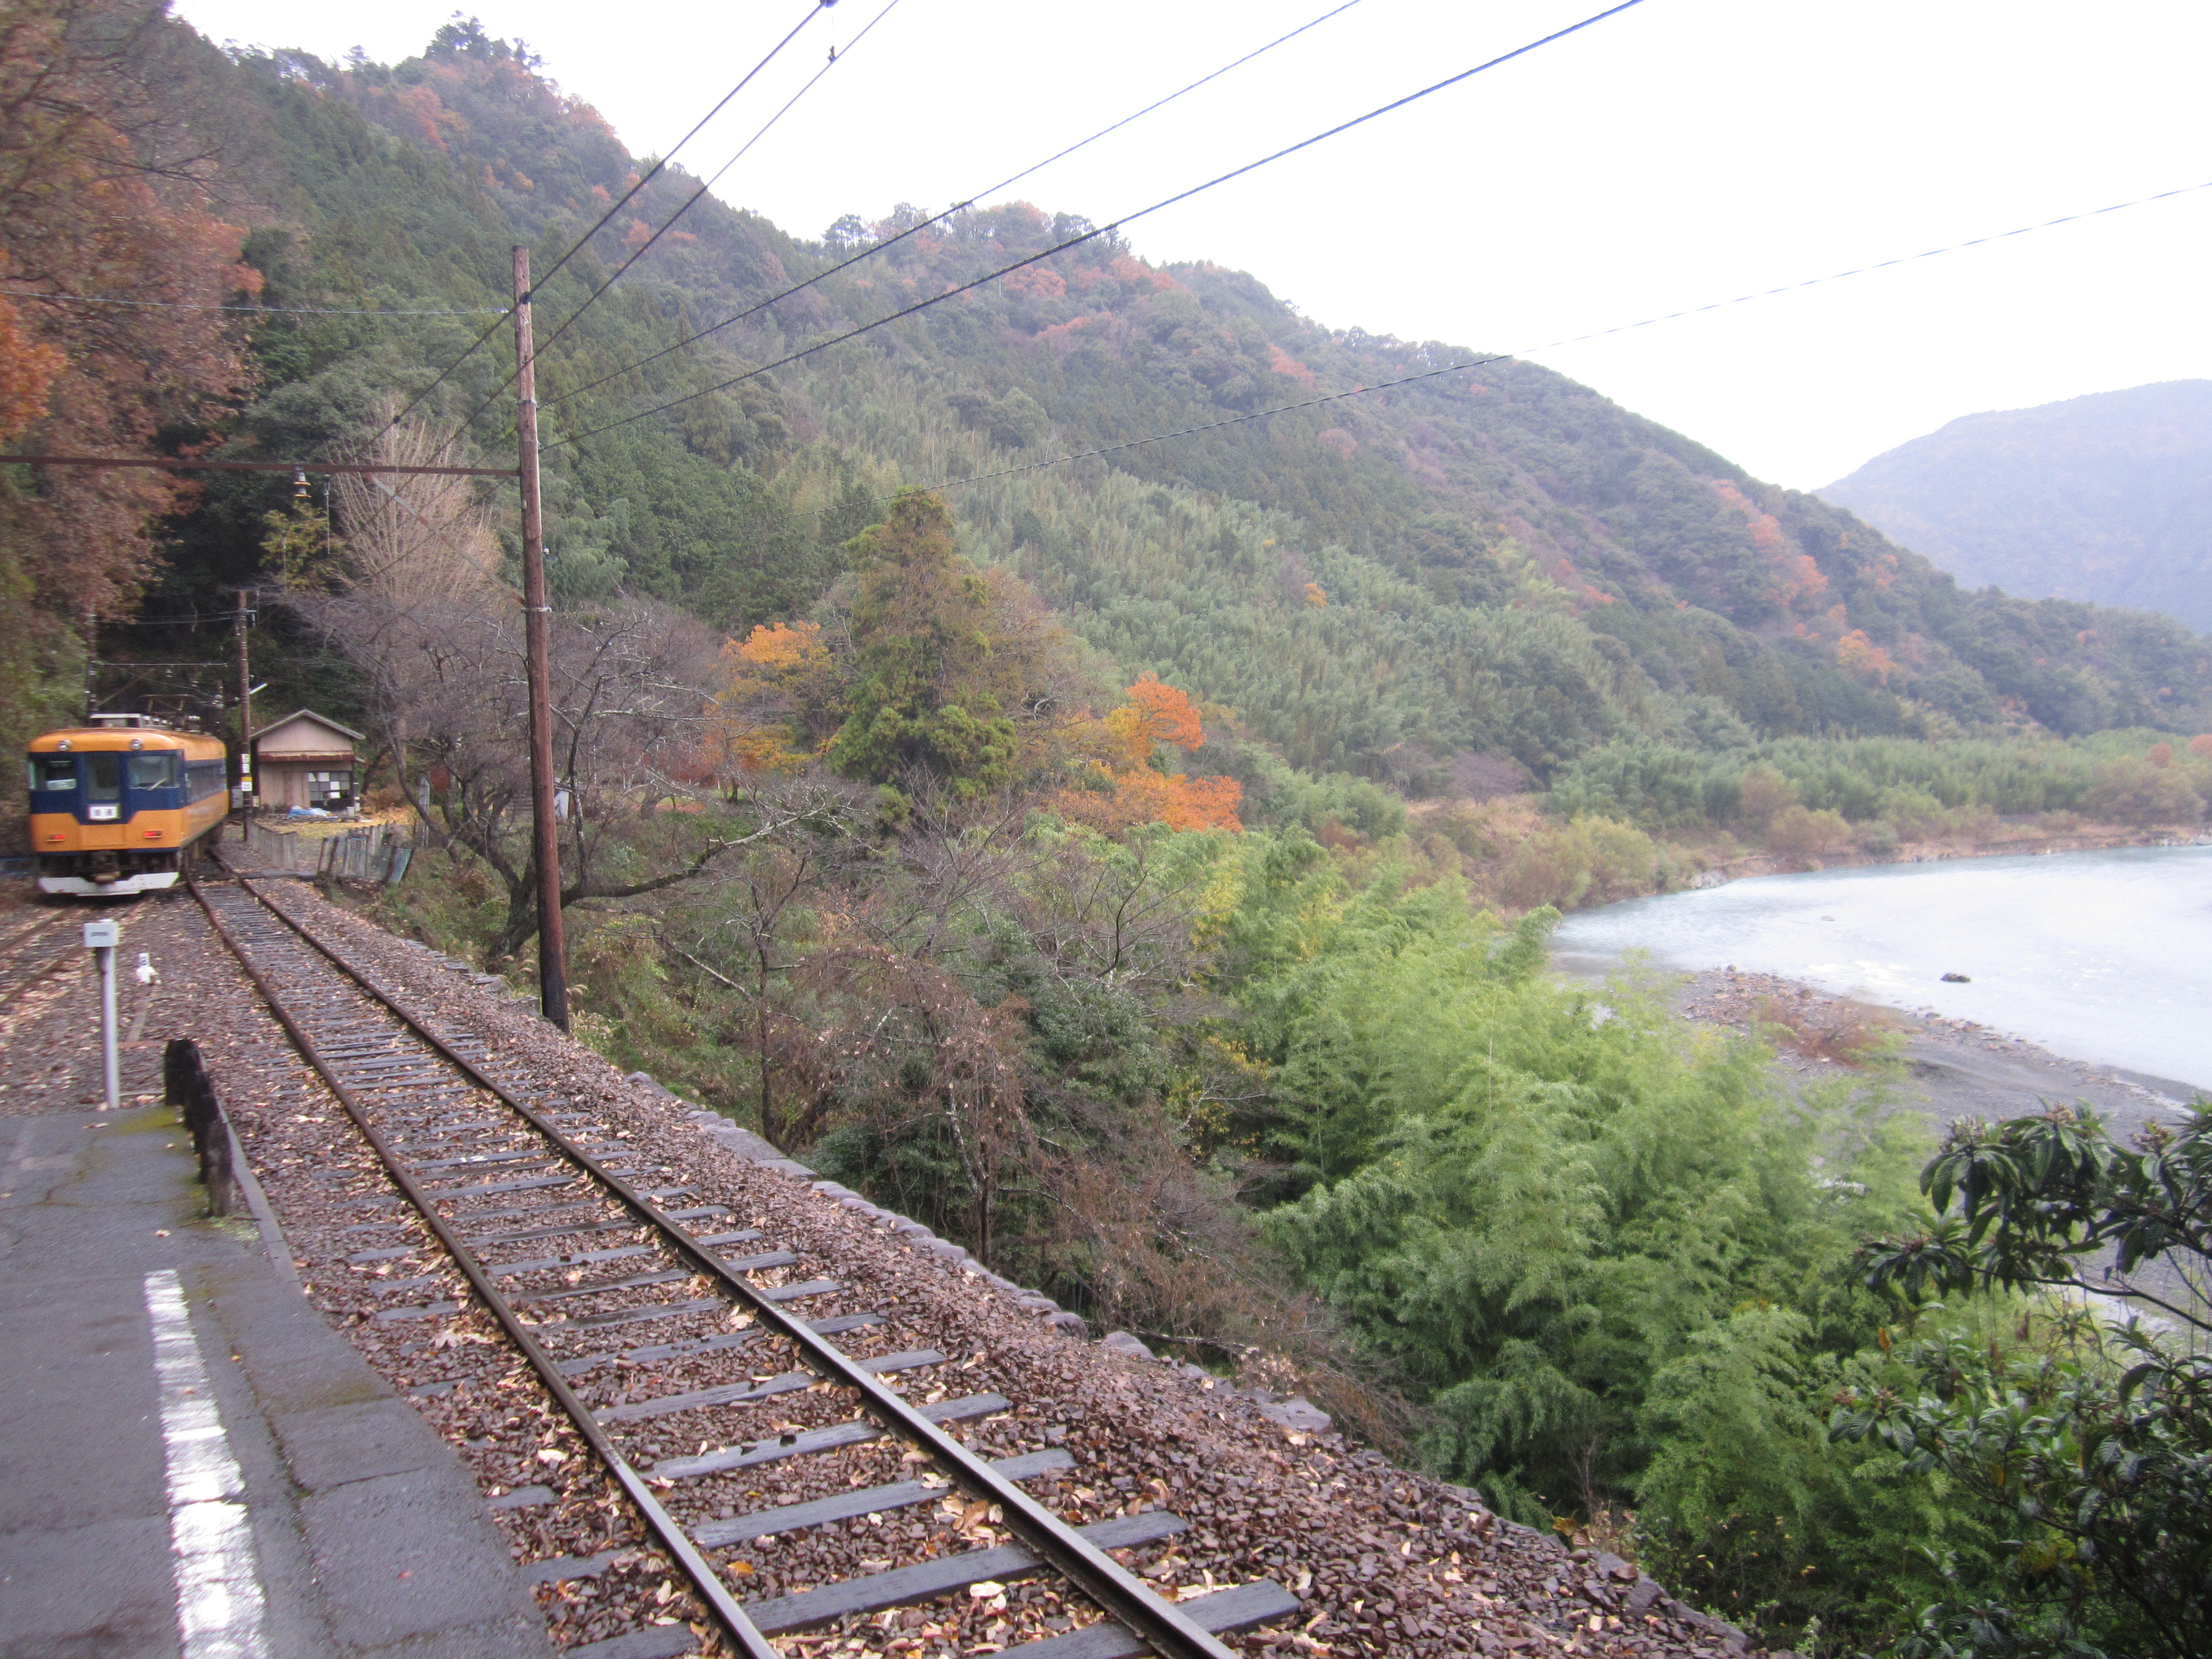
<point>1133,864</point>
<point>1499,560</point>
<point>2107,498</point>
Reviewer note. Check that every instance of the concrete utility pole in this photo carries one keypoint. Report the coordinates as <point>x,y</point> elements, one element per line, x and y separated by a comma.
<point>545,830</point>
<point>238,625</point>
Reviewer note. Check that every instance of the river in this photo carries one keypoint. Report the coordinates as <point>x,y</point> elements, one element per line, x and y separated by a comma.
<point>2105,957</point>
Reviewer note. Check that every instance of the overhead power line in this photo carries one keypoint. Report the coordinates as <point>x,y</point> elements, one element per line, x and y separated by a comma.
<point>628,195</point>
<point>1554,346</point>
<point>892,241</point>
<point>1105,230</point>
<point>690,201</point>
<point>262,310</point>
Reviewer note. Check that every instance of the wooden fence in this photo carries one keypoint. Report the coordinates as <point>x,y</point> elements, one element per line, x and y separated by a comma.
<point>371,852</point>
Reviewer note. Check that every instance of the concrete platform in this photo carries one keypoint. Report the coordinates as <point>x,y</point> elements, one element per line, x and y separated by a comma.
<point>312,1512</point>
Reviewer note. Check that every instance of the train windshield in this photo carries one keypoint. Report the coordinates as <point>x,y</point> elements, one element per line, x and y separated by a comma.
<point>103,777</point>
<point>53,771</point>
<point>157,769</point>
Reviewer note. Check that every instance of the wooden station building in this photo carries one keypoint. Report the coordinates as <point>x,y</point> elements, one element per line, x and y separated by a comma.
<point>307,759</point>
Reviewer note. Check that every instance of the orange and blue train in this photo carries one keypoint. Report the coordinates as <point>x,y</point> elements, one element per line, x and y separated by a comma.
<point>122,807</point>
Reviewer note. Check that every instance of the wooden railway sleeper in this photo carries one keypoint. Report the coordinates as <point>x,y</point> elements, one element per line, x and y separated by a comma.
<point>1169,1630</point>
<point>725,1607</point>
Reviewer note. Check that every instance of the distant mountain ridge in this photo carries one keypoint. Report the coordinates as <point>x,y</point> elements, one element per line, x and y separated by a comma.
<point>2107,498</point>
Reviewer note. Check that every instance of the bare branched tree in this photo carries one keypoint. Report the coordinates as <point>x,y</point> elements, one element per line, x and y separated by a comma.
<point>418,604</point>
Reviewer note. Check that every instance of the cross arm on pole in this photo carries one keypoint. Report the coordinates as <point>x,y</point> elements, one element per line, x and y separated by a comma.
<point>174,463</point>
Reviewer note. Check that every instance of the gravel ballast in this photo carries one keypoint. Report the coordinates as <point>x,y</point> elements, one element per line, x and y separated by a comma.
<point>1381,1561</point>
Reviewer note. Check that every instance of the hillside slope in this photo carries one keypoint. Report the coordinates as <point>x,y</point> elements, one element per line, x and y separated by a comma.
<point>2107,498</point>
<point>1499,560</point>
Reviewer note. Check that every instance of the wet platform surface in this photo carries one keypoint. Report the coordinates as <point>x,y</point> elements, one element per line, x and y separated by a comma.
<point>310,1512</point>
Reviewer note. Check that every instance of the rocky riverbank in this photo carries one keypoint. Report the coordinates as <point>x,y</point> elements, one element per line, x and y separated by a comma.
<point>1951,1068</point>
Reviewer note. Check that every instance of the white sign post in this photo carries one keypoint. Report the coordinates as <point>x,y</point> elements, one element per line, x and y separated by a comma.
<point>100,938</point>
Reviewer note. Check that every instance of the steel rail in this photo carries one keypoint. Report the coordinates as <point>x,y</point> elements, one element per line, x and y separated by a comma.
<point>1170,1631</point>
<point>37,920</point>
<point>32,978</point>
<point>725,1607</point>
<point>20,973</point>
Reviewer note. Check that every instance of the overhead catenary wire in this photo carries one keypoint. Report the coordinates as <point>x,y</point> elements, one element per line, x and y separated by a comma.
<point>1107,229</point>
<point>1461,366</point>
<point>893,240</point>
<point>688,203</point>
<point>1554,345</point>
<point>616,206</point>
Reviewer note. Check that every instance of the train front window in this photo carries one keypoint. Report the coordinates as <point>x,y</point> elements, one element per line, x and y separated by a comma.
<point>103,777</point>
<point>53,771</point>
<point>154,770</point>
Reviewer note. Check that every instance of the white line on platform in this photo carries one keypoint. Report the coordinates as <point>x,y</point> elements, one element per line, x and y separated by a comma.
<point>219,1600</point>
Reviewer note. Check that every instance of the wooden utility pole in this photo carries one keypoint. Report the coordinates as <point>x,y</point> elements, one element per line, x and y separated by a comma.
<point>545,830</point>
<point>245,697</point>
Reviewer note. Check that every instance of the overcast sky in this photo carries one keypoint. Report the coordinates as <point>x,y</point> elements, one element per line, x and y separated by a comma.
<point>1684,152</point>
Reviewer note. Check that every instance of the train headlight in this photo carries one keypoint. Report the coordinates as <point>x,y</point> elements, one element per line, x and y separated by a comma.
<point>138,743</point>
<point>63,744</point>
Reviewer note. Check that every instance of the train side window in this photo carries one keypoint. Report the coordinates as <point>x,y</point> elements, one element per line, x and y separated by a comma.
<point>53,771</point>
<point>156,769</point>
<point>103,777</point>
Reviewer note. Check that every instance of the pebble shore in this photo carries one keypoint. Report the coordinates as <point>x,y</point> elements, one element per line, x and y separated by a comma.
<point>1952,1068</point>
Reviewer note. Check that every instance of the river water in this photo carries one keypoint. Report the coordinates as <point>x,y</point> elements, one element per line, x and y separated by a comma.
<point>2101,956</point>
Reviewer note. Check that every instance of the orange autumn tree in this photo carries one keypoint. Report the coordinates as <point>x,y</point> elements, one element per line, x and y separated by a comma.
<point>775,705</point>
<point>105,196</point>
<point>1128,787</point>
<point>1862,658</point>
<point>1155,713</point>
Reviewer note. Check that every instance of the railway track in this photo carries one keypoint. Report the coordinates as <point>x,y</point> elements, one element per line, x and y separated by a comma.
<point>35,951</point>
<point>593,1274</point>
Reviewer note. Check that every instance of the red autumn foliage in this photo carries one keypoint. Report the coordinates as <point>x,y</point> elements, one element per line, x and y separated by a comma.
<point>1121,747</point>
<point>1135,273</point>
<point>1284,364</point>
<point>1037,282</point>
<point>1798,583</point>
<point>1860,657</point>
<point>1178,802</point>
<point>104,194</point>
<point>1060,334</point>
<point>1167,715</point>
